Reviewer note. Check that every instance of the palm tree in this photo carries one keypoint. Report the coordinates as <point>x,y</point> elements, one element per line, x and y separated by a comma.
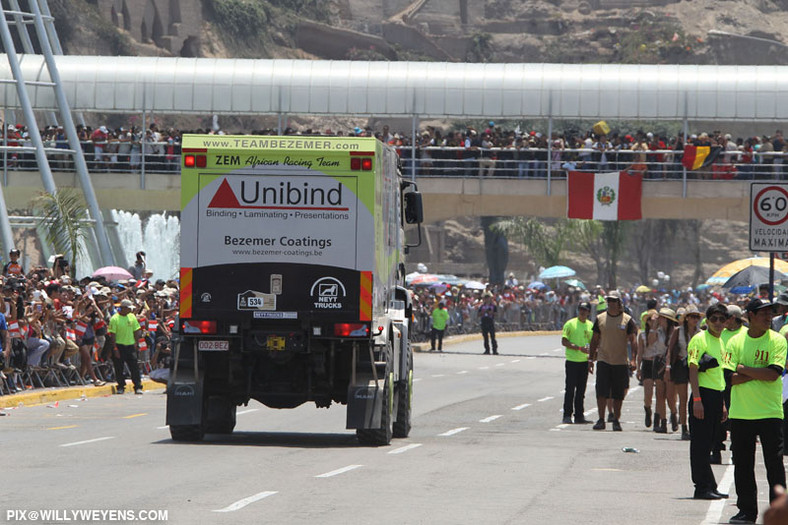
<point>65,219</point>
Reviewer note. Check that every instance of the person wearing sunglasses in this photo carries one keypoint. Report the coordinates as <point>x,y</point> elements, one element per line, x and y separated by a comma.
<point>706,407</point>
<point>758,359</point>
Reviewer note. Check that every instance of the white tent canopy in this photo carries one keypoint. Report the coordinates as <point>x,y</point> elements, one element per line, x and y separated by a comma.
<point>405,89</point>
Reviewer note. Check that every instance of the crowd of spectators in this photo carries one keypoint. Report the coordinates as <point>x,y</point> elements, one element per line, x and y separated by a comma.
<point>57,327</point>
<point>462,152</point>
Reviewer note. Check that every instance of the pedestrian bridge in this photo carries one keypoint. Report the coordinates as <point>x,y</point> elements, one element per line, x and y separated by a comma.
<point>444,197</point>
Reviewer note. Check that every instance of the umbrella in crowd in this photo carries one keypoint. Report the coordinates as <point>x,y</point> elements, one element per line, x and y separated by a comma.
<point>722,275</point>
<point>752,276</point>
<point>577,283</point>
<point>421,279</point>
<point>439,287</point>
<point>538,285</point>
<point>557,272</point>
<point>642,289</point>
<point>742,290</point>
<point>449,279</point>
<point>474,285</point>
<point>112,273</point>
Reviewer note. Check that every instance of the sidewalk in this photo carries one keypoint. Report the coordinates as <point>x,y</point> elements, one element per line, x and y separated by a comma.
<point>43,396</point>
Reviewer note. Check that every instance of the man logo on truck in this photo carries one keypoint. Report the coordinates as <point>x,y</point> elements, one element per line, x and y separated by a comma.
<point>328,293</point>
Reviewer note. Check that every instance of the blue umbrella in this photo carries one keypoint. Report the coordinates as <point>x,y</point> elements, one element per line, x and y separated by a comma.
<point>557,272</point>
<point>538,285</point>
<point>576,283</point>
<point>742,290</point>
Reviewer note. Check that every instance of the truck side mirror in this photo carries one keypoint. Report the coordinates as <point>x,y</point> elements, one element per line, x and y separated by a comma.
<point>414,212</point>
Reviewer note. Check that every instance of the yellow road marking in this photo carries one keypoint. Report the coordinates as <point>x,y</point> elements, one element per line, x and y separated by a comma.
<point>135,415</point>
<point>61,428</point>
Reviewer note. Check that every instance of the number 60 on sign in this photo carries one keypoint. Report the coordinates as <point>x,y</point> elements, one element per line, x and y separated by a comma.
<point>768,217</point>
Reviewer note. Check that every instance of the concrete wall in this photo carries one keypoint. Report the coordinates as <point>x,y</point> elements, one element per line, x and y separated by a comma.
<point>410,38</point>
<point>173,25</point>
<point>333,43</point>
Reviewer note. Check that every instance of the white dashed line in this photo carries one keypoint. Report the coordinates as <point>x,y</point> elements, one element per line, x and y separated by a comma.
<point>557,349</point>
<point>716,507</point>
<point>562,425</point>
<point>246,501</point>
<point>400,450</point>
<point>417,380</point>
<point>589,412</point>
<point>531,357</point>
<point>548,398</point>
<point>86,441</point>
<point>453,431</point>
<point>162,428</point>
<point>462,372</point>
<point>544,353</point>
<point>488,419</point>
<point>484,367</point>
<point>338,471</point>
<point>500,364</point>
<point>242,412</point>
<point>520,407</point>
<point>514,361</point>
<point>437,375</point>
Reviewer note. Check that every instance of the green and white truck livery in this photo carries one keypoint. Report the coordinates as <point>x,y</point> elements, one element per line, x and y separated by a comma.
<point>291,282</point>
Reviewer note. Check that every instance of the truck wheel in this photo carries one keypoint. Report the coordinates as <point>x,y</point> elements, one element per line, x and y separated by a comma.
<point>186,432</point>
<point>377,437</point>
<point>220,416</point>
<point>404,400</point>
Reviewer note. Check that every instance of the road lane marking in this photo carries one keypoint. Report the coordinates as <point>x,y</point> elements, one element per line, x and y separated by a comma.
<point>544,353</point>
<point>400,450</point>
<point>548,398</point>
<point>557,349</point>
<point>520,407</point>
<point>714,514</point>
<point>246,501</point>
<point>438,375</point>
<point>562,425</point>
<point>462,372</point>
<point>62,428</point>
<point>562,392</point>
<point>339,471</point>
<point>488,419</point>
<point>500,364</point>
<point>483,367</point>
<point>589,412</point>
<point>242,412</point>
<point>514,361</point>
<point>86,441</point>
<point>532,357</point>
<point>162,428</point>
<point>416,380</point>
<point>135,415</point>
<point>453,431</point>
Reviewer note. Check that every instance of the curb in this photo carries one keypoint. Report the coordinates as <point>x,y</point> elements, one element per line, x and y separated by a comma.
<point>455,339</point>
<point>42,396</point>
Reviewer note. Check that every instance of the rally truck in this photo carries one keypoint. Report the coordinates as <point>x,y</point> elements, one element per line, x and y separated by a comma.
<point>292,277</point>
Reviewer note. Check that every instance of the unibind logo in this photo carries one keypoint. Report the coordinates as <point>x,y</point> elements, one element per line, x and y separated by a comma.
<point>255,194</point>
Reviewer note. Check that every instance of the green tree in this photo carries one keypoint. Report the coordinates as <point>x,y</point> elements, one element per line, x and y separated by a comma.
<point>64,218</point>
<point>544,242</point>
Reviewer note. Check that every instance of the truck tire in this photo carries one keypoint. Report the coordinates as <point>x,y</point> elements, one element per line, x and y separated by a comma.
<point>186,432</point>
<point>220,416</point>
<point>404,399</point>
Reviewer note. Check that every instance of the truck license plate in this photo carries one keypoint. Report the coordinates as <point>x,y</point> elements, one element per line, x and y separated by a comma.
<point>213,346</point>
<point>276,343</point>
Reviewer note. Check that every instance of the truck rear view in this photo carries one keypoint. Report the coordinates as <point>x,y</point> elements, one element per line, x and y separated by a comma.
<point>291,273</point>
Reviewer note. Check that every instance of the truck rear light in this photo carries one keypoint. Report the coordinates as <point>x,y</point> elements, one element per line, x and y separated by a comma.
<point>351,330</point>
<point>366,164</point>
<point>360,164</point>
<point>195,161</point>
<point>199,327</point>
<point>355,164</point>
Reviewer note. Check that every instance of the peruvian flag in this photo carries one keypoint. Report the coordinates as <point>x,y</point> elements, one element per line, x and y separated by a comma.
<point>13,329</point>
<point>604,196</point>
<point>71,335</point>
<point>143,345</point>
<point>81,328</point>
<point>153,325</point>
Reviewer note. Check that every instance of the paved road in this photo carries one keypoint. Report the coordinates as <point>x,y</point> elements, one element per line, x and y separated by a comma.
<point>487,446</point>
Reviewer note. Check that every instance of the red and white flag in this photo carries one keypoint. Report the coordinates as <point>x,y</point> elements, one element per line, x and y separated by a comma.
<point>143,345</point>
<point>13,329</point>
<point>71,335</point>
<point>81,328</point>
<point>153,325</point>
<point>612,196</point>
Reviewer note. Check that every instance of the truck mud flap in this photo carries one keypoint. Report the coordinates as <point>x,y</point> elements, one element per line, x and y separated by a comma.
<point>365,405</point>
<point>184,404</point>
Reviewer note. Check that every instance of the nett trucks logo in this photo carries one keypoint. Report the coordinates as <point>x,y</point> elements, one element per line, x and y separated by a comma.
<point>328,293</point>
<point>284,195</point>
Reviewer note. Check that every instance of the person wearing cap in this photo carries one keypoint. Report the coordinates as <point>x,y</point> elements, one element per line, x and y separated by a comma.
<point>758,357</point>
<point>13,268</point>
<point>707,409</point>
<point>124,333</point>
<point>440,317</point>
<point>781,311</point>
<point>486,314</point>
<point>576,338</point>
<point>677,370</point>
<point>612,332</point>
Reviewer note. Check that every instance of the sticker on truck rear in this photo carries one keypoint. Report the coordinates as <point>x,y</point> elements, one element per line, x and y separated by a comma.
<point>328,293</point>
<point>251,300</point>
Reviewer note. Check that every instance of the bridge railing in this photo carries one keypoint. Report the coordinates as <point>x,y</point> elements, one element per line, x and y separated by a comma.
<point>515,163</point>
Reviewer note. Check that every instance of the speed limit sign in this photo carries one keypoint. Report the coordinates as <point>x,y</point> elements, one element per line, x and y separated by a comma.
<point>768,217</point>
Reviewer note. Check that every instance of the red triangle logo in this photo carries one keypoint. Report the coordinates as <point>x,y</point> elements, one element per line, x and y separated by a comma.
<point>224,198</point>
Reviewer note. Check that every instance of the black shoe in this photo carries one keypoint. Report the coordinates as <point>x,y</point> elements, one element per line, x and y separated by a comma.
<point>674,422</point>
<point>120,390</point>
<point>600,424</point>
<point>616,426</point>
<point>581,421</point>
<point>567,420</point>
<point>495,352</point>
<point>486,352</point>
<point>610,418</point>
<point>138,391</point>
<point>706,494</point>
<point>715,458</point>
<point>662,428</point>
<point>685,434</point>
<point>648,416</point>
<point>722,495</point>
<point>742,517</point>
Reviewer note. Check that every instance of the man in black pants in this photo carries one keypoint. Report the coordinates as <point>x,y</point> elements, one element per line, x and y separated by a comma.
<point>576,337</point>
<point>487,316</point>
<point>124,332</point>
<point>706,408</point>
<point>758,358</point>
